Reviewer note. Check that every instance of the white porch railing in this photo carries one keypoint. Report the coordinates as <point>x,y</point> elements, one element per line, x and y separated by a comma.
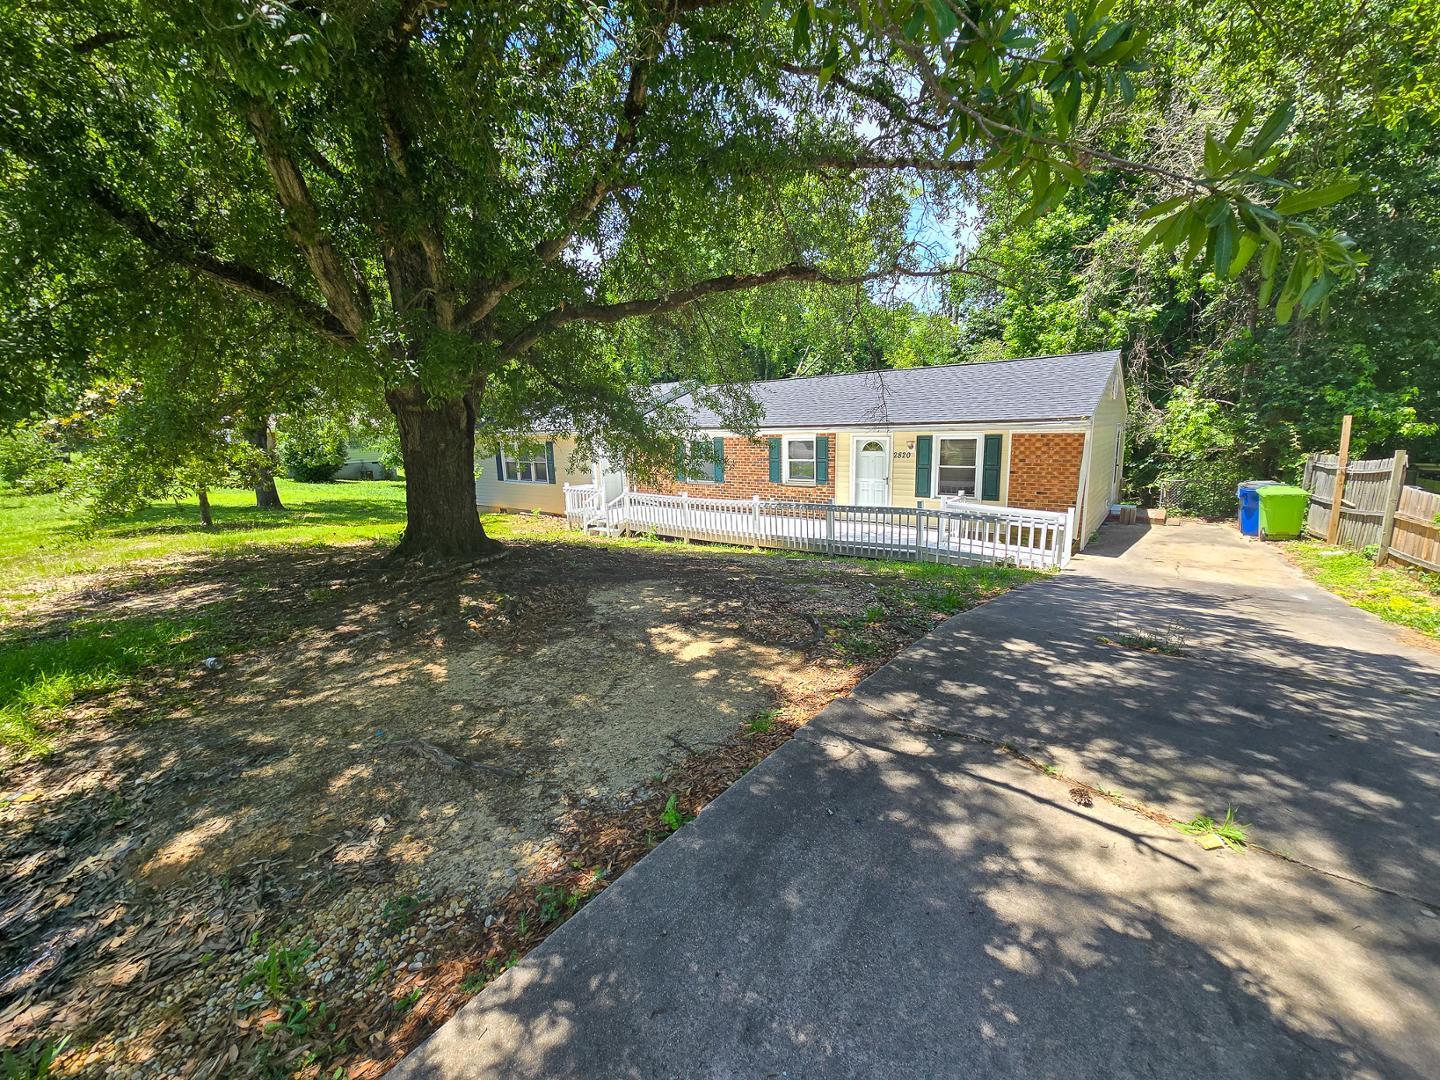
<point>582,501</point>
<point>963,533</point>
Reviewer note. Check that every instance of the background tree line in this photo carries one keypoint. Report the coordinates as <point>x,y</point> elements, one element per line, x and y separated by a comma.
<point>1220,390</point>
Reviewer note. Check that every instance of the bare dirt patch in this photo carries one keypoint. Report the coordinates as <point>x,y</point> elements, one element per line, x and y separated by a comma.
<point>393,783</point>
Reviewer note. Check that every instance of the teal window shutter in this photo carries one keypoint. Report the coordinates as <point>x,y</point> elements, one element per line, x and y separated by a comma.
<point>922,466</point>
<point>680,463</point>
<point>990,480</point>
<point>499,466</point>
<point>719,445</point>
<point>822,459</point>
<point>774,460</point>
<point>550,460</point>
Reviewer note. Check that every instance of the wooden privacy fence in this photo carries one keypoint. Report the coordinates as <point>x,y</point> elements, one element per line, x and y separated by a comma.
<point>1377,509</point>
<point>1368,489</point>
<point>1416,537</point>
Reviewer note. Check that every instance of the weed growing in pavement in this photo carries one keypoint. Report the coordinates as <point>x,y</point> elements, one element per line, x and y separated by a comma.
<point>1168,642</point>
<point>1230,832</point>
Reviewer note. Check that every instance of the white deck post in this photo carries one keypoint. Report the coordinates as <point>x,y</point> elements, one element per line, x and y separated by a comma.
<point>919,533</point>
<point>685,515</point>
<point>755,503</point>
<point>1069,544</point>
<point>830,528</point>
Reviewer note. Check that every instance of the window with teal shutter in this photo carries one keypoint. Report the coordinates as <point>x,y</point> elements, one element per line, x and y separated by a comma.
<point>550,461</point>
<point>822,459</point>
<point>922,467</point>
<point>990,478</point>
<point>719,459</point>
<point>774,460</point>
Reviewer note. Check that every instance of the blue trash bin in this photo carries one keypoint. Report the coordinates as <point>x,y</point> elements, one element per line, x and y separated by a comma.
<point>1250,505</point>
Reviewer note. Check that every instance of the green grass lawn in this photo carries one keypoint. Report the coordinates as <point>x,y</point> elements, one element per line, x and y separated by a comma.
<point>1397,595</point>
<point>43,541</point>
<point>42,537</point>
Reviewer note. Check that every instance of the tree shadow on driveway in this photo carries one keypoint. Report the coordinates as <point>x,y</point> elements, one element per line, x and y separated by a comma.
<point>900,903</point>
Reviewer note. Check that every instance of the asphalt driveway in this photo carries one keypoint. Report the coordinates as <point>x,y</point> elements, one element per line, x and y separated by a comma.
<point>892,894</point>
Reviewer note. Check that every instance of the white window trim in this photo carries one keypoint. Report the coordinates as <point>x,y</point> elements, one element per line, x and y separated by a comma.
<point>978,439</point>
<point>855,443</point>
<point>798,436</point>
<point>506,457</point>
<point>688,479</point>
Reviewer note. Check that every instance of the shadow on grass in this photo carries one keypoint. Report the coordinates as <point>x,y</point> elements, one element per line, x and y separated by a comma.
<point>41,676</point>
<point>346,511</point>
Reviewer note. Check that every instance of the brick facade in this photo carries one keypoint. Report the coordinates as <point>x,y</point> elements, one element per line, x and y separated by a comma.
<point>1045,470</point>
<point>747,473</point>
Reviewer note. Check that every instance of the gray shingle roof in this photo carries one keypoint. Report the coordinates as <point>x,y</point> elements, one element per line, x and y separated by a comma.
<point>1033,388</point>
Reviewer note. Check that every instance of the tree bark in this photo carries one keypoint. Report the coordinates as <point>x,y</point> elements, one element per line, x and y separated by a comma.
<point>437,442</point>
<point>267,496</point>
<point>205,519</point>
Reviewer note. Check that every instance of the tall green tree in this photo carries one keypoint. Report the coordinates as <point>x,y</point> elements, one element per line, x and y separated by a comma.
<point>458,202</point>
<point>1221,387</point>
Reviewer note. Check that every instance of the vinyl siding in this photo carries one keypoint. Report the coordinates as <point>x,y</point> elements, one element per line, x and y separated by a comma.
<point>492,493</point>
<point>902,462</point>
<point>1108,421</point>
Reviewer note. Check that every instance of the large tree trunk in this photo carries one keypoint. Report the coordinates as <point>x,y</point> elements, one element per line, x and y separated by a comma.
<point>267,496</point>
<point>205,519</point>
<point>437,442</point>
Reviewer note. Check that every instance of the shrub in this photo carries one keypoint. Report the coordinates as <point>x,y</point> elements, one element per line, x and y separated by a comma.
<point>314,449</point>
<point>28,461</point>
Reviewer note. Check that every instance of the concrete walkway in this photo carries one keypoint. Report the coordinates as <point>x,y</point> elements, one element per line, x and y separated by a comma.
<point>890,895</point>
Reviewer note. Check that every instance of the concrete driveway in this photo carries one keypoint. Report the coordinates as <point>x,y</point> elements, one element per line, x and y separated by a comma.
<point>891,894</point>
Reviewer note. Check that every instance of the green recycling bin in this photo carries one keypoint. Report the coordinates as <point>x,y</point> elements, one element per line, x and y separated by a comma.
<point>1282,511</point>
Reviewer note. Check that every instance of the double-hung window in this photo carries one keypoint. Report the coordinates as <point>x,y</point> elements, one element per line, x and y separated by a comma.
<point>955,469</point>
<point>704,465</point>
<point>799,460</point>
<point>527,467</point>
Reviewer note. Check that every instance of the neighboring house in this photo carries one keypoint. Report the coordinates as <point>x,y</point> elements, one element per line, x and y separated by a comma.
<point>1040,433</point>
<point>363,463</point>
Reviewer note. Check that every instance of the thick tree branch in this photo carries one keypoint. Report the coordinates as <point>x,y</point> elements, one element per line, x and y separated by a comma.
<point>100,41</point>
<point>234,275</point>
<point>528,337</point>
<point>891,102</point>
<point>604,181</point>
<point>406,25</point>
<point>338,284</point>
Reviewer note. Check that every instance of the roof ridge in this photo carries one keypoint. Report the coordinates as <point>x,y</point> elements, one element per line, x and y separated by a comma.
<point>882,372</point>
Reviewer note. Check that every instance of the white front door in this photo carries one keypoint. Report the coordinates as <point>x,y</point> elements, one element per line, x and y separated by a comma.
<point>872,472</point>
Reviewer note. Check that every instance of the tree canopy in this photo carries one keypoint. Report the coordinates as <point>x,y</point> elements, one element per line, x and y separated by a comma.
<point>1222,389</point>
<point>464,208</point>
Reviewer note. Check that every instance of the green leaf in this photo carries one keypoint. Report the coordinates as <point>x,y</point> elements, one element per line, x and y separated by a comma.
<point>1244,251</point>
<point>1241,123</point>
<point>1275,125</point>
<point>1214,155</point>
<point>802,29</point>
<point>1223,240</point>
<point>1297,202</point>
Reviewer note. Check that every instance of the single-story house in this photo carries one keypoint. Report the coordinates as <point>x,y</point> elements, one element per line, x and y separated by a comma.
<point>362,462</point>
<point>1038,433</point>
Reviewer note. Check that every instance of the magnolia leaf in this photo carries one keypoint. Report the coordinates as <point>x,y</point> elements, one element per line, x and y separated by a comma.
<point>1297,202</point>
<point>1275,125</point>
<point>1223,242</point>
<point>1244,251</point>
